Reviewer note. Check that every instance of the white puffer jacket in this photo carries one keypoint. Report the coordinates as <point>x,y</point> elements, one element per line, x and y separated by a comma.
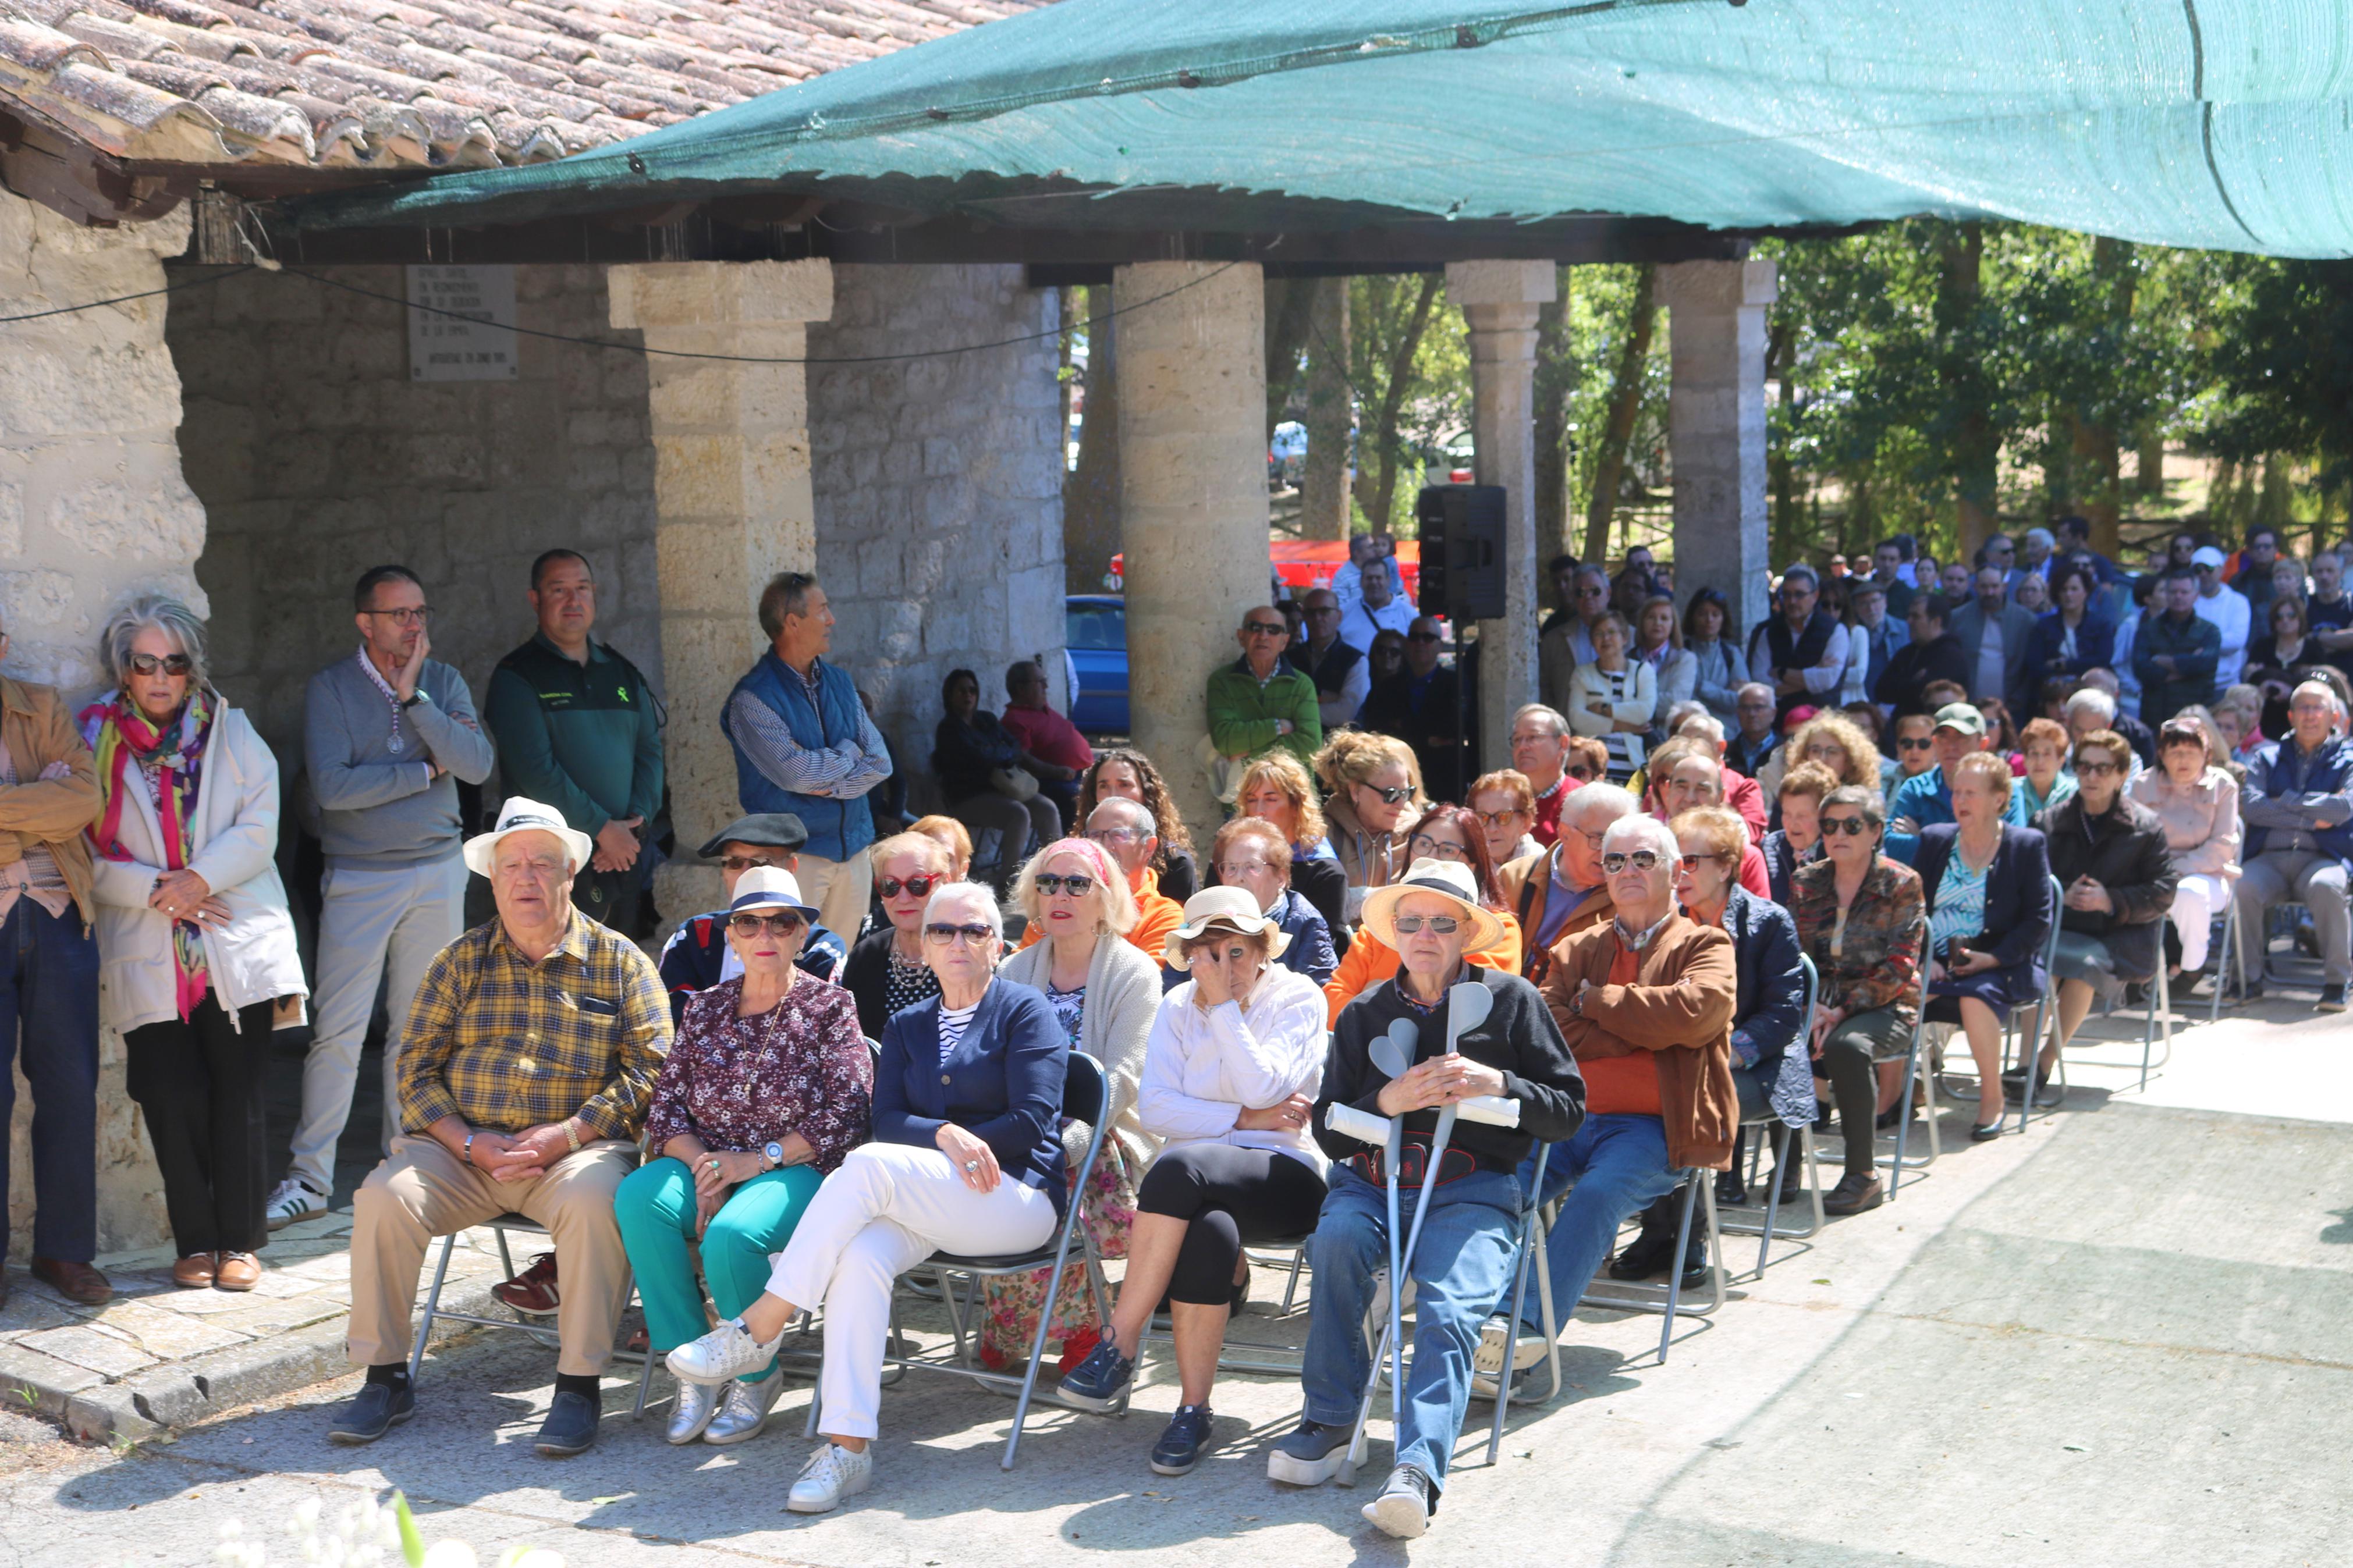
<point>233,844</point>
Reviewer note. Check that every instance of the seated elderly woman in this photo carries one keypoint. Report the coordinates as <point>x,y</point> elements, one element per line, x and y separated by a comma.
<point>1798,840</point>
<point>2198,803</point>
<point>887,971</point>
<point>764,1092</point>
<point>1445,833</point>
<point>1505,805</point>
<point>1987,887</point>
<point>1104,991</point>
<point>1254,855</point>
<point>968,1101</point>
<point>1432,917</point>
<point>1277,789</point>
<point>1235,1059</point>
<point>1859,918</point>
<point>1372,798</point>
<point>2110,858</point>
<point>2046,782</point>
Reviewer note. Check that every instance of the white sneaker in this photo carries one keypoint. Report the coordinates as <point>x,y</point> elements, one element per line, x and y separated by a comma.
<point>745,1410</point>
<point>1527,1347</point>
<point>289,1200</point>
<point>726,1352</point>
<point>832,1473</point>
<point>697,1403</point>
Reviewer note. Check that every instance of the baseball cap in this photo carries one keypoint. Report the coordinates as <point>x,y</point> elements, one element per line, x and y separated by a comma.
<point>1960,716</point>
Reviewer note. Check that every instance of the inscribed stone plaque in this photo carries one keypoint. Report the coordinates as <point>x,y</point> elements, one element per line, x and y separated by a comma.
<point>458,323</point>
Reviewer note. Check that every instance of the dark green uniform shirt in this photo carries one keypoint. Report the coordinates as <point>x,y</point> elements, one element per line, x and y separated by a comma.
<point>581,738</point>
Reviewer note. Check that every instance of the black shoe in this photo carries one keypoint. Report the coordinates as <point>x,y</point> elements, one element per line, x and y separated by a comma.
<point>1644,1255</point>
<point>1792,1173</point>
<point>1094,1384</point>
<point>1854,1195</point>
<point>2332,999</point>
<point>1987,1133</point>
<point>1179,1448</point>
<point>376,1409</point>
<point>1730,1188</point>
<point>2251,990</point>
<point>570,1427</point>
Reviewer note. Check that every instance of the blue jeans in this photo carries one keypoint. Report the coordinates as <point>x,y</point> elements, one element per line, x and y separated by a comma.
<point>1615,1166</point>
<point>1461,1264</point>
<point>48,985</point>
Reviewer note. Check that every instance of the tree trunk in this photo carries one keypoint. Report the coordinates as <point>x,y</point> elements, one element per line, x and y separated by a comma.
<point>1090,489</point>
<point>1324,489</point>
<point>1780,341</point>
<point>2099,461</point>
<point>2271,506</point>
<point>2150,479</point>
<point>1555,380</point>
<point>1378,496</point>
<point>1625,404</point>
<point>1975,446</point>
<point>1289,302</point>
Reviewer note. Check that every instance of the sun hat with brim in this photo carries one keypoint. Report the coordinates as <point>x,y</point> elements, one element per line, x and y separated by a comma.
<point>769,888</point>
<point>521,816</point>
<point>1960,716</point>
<point>1215,910</point>
<point>1449,880</point>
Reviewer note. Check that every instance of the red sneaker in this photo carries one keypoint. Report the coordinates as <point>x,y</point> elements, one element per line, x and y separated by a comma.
<point>532,1293</point>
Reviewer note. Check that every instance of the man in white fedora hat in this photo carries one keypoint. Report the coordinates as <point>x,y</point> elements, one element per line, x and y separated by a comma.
<point>524,1074</point>
<point>1461,1265</point>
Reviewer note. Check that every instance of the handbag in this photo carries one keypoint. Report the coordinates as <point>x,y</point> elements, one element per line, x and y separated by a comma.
<point>1015,784</point>
<point>1225,773</point>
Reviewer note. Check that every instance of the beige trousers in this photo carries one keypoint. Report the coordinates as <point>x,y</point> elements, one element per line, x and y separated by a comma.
<point>421,1190</point>
<point>841,890</point>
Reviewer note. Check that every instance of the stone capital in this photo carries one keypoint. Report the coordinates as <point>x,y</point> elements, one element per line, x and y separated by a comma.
<point>1718,285</point>
<point>1528,283</point>
<point>656,295</point>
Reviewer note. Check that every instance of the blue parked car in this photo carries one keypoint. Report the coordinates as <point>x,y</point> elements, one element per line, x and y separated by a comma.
<point>1095,631</point>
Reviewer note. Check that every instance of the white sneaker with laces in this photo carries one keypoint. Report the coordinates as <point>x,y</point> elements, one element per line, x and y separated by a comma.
<point>832,1473</point>
<point>289,1200</point>
<point>726,1352</point>
<point>745,1410</point>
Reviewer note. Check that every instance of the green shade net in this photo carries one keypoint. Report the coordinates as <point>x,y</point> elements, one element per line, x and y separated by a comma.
<point>2216,123</point>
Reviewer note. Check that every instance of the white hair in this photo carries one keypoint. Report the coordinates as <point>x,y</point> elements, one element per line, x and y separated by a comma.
<point>1693,719</point>
<point>975,892</point>
<point>2097,700</point>
<point>2043,537</point>
<point>1552,716</point>
<point>1138,816</point>
<point>1753,686</point>
<point>164,614</point>
<point>1640,832</point>
<point>1617,802</point>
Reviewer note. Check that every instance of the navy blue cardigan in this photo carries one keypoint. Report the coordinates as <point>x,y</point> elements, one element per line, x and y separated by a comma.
<point>2018,903</point>
<point>1003,1083</point>
<point>1771,989</point>
<point>2095,647</point>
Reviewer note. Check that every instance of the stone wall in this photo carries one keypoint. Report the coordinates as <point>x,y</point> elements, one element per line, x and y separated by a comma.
<point>939,488</point>
<point>92,508</point>
<point>317,456</point>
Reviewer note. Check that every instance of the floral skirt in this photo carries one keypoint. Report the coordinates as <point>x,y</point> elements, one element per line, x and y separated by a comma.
<point>1010,1302</point>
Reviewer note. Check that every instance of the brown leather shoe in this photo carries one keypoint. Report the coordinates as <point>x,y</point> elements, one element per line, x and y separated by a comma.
<point>194,1272</point>
<point>237,1271</point>
<point>74,1282</point>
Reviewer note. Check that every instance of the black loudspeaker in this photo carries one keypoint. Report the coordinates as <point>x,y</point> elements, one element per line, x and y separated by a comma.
<point>1461,552</point>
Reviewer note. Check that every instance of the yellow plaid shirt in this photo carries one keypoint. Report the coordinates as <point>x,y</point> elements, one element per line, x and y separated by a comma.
<point>508,1045</point>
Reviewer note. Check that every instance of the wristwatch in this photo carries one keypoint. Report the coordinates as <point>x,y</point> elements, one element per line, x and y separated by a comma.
<point>774,1152</point>
<point>415,696</point>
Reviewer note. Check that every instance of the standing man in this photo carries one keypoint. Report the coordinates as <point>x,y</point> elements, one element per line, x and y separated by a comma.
<point>2075,539</point>
<point>1994,635</point>
<point>1046,737</point>
<point>1540,751</point>
<point>49,981</point>
<point>2229,613</point>
<point>2298,805</point>
<point>387,736</point>
<point>1567,641</point>
<point>1341,673</point>
<point>2176,654</point>
<point>1259,703</point>
<point>1802,652</point>
<point>1887,571</point>
<point>2034,558</point>
<point>805,745</point>
<point>1380,608</point>
<point>1422,706</point>
<point>2331,609</point>
<point>576,727</point>
<point>1374,550</point>
<point>2252,576</point>
<point>1873,640</point>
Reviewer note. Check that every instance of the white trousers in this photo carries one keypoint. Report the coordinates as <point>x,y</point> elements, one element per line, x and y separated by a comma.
<point>2199,897</point>
<point>841,890</point>
<point>890,1207</point>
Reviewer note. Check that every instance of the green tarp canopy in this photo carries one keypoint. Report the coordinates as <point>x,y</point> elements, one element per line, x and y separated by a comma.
<point>2216,123</point>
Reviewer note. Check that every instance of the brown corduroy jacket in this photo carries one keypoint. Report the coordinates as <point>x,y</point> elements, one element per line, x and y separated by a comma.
<point>39,731</point>
<point>1527,887</point>
<point>1679,1009</point>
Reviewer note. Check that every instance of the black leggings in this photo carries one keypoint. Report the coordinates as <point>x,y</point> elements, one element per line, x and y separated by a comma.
<point>1847,1063</point>
<point>1227,1196</point>
<point>199,1085</point>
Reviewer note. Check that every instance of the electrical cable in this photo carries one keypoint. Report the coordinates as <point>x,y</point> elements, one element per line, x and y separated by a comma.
<point>126,298</point>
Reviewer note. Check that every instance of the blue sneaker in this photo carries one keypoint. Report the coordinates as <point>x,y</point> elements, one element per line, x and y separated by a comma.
<point>1179,1448</point>
<point>1097,1382</point>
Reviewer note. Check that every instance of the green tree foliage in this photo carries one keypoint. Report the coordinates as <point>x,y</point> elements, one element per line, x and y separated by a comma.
<point>1410,368</point>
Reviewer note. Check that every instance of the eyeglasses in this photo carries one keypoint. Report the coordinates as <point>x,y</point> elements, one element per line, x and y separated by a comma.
<point>1916,744</point>
<point>740,863</point>
<point>1267,629</point>
<point>1241,870</point>
<point>1582,773</point>
<point>1641,859</point>
<point>2094,770</point>
<point>941,935</point>
<point>1396,796</point>
<point>1853,826</point>
<point>1444,925</point>
<point>170,664</point>
<point>892,887</point>
<point>1118,836</point>
<point>1497,818</point>
<point>1051,883</point>
<point>749,923</point>
<point>1424,847</point>
<point>406,618</point>
<point>1695,859</point>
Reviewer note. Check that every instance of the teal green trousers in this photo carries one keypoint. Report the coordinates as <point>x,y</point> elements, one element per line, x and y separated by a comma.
<point>655,1208</point>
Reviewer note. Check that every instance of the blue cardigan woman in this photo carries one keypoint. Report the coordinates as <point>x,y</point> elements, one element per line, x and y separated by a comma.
<point>2073,637</point>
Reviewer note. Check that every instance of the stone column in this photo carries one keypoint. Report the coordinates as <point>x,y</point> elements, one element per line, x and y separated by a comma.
<point>1500,299</point>
<point>1193,513</point>
<point>1716,422</point>
<point>731,502</point>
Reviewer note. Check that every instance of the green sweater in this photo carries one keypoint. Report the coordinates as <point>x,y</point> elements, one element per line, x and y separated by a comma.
<point>584,739</point>
<point>1242,713</point>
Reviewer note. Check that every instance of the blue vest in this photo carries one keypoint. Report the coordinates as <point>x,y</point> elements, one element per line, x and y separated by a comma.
<point>836,828</point>
<point>2329,771</point>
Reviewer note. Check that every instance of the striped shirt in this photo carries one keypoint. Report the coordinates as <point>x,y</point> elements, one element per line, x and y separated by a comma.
<point>953,1022</point>
<point>508,1045</point>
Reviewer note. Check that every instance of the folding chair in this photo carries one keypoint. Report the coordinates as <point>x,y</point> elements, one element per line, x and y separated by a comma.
<point>1769,1228</point>
<point>1699,1192</point>
<point>2232,962</point>
<point>499,1227</point>
<point>1915,1071</point>
<point>1159,1324</point>
<point>1086,1097</point>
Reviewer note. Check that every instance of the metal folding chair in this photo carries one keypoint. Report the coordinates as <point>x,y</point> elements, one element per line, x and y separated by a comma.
<point>1289,1366</point>
<point>1086,1097</point>
<point>1621,1296</point>
<point>1915,1071</point>
<point>499,1227</point>
<point>2231,964</point>
<point>1769,1228</point>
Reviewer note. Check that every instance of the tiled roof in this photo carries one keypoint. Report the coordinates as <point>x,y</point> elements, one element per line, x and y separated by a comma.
<point>424,83</point>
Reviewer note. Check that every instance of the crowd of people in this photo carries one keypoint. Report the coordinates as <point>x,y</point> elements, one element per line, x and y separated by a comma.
<point>852,1065</point>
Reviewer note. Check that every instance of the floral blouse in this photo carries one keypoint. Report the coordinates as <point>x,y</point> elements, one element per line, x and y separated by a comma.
<point>1872,959</point>
<point>737,1083</point>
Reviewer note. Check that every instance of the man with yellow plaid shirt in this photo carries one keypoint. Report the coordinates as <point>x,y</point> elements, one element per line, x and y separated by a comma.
<point>529,1058</point>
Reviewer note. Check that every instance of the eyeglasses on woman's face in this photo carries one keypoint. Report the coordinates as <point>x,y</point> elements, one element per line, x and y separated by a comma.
<point>921,886</point>
<point>1232,871</point>
<point>165,664</point>
<point>1054,884</point>
<point>1396,796</point>
<point>1428,847</point>
<point>751,922</point>
<point>1583,772</point>
<point>941,933</point>
<point>1854,826</point>
<point>1444,925</point>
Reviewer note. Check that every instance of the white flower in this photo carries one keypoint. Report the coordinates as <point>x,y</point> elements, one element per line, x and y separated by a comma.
<point>451,1555</point>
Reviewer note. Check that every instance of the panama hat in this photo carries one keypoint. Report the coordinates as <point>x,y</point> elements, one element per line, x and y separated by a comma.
<point>522,815</point>
<point>770,887</point>
<point>1446,878</point>
<point>1222,909</point>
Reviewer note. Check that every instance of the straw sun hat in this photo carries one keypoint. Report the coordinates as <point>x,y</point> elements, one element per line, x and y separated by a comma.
<point>1449,879</point>
<point>1222,909</point>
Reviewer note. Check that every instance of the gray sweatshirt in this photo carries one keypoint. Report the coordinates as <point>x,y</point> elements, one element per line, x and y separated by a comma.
<point>378,806</point>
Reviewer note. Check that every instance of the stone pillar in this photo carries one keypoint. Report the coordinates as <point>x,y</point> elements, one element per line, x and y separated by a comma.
<point>1716,422</point>
<point>732,501</point>
<point>1193,513</point>
<point>1500,299</point>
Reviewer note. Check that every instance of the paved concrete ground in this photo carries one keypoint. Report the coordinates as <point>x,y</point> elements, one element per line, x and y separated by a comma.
<point>2120,1339</point>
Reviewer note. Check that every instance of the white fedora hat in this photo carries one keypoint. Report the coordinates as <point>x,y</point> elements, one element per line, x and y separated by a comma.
<point>1226,909</point>
<point>522,815</point>
<point>770,887</point>
<point>1449,880</point>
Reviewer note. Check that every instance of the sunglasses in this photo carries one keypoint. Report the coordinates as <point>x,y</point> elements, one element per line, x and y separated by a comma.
<point>1051,883</point>
<point>1265,629</point>
<point>750,923</point>
<point>892,887</point>
<point>1497,818</point>
<point>1853,826</point>
<point>745,862</point>
<point>1444,925</point>
<point>1641,859</point>
<point>1396,796</point>
<point>1582,773</point>
<point>2095,769</point>
<point>170,664</point>
<point>1915,743</point>
<point>941,934</point>
<point>1424,847</point>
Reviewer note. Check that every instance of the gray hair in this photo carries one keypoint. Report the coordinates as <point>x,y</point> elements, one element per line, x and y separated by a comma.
<point>982,896</point>
<point>165,614</point>
<point>1639,832</point>
<point>1753,686</point>
<point>1138,815</point>
<point>2042,536</point>
<point>2097,700</point>
<point>1553,717</point>
<point>1693,719</point>
<point>1867,803</point>
<point>1617,802</point>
